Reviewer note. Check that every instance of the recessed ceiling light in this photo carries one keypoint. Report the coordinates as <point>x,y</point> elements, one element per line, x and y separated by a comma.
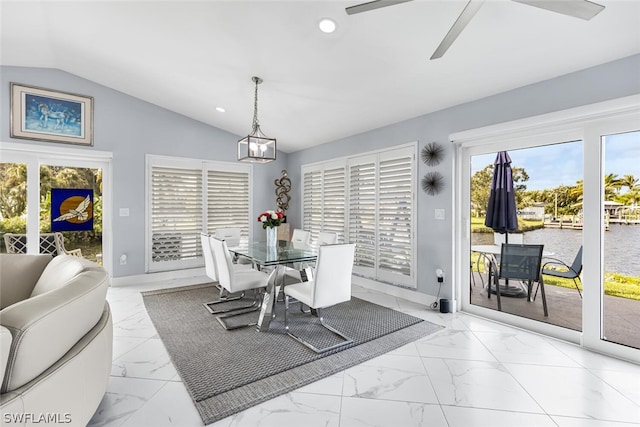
<point>220,109</point>
<point>327,25</point>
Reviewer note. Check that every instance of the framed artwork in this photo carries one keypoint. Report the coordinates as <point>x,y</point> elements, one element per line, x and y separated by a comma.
<point>71,209</point>
<point>48,115</point>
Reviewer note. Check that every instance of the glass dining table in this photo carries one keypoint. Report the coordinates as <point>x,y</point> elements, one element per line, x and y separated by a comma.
<point>285,253</point>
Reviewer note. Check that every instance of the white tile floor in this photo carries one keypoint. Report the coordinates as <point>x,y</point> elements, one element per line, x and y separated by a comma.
<point>473,373</point>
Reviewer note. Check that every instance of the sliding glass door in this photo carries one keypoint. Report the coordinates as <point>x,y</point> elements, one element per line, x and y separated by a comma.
<point>576,179</point>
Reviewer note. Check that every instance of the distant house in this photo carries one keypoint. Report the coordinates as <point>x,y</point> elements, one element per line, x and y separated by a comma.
<point>533,213</point>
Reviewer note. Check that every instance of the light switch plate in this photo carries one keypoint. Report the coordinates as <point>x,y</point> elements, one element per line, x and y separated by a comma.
<point>439,214</point>
<point>124,211</point>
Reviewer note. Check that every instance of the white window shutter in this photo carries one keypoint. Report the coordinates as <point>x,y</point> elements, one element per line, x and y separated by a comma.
<point>363,213</point>
<point>228,200</point>
<point>395,217</point>
<point>176,217</point>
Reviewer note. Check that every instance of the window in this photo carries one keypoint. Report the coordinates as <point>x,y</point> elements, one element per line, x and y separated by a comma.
<point>185,197</point>
<point>370,200</point>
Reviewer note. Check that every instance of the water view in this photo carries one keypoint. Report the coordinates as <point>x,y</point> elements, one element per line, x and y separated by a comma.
<point>621,244</point>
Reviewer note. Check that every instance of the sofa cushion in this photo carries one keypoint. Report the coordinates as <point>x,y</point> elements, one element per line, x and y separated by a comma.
<point>5,346</point>
<point>46,326</point>
<point>59,271</point>
<point>18,276</point>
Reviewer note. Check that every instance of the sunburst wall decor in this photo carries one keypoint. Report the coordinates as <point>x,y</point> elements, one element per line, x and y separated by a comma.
<point>432,183</point>
<point>432,154</point>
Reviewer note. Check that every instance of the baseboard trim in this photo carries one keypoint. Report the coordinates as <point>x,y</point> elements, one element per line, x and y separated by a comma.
<point>399,292</point>
<point>192,276</point>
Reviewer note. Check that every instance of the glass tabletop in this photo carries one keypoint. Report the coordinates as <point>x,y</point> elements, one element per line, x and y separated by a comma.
<point>285,252</point>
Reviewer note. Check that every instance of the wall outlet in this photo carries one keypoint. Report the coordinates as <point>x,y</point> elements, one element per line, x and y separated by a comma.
<point>123,259</point>
<point>439,214</point>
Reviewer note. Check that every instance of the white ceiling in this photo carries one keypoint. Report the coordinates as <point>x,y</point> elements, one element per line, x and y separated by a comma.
<point>191,57</point>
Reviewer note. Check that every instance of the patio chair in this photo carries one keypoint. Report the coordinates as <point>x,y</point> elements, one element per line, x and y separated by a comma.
<point>568,272</point>
<point>50,243</point>
<point>331,286</point>
<point>521,262</point>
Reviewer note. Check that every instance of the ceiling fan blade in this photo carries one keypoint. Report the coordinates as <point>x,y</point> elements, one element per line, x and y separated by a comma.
<point>376,4</point>
<point>583,9</point>
<point>467,14</point>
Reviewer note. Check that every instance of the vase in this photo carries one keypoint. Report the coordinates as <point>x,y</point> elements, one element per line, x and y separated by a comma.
<point>272,237</point>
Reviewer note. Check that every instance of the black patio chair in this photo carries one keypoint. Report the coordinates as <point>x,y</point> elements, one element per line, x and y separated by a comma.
<point>521,262</point>
<point>568,271</point>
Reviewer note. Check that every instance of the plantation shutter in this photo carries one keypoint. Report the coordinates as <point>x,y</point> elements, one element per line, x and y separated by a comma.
<point>333,202</point>
<point>362,213</point>
<point>176,216</point>
<point>323,207</point>
<point>312,202</point>
<point>395,216</point>
<point>228,198</point>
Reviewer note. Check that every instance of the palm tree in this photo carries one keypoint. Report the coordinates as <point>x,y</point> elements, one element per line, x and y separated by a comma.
<point>629,181</point>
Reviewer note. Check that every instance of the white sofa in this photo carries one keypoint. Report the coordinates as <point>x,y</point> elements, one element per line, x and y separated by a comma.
<point>56,338</point>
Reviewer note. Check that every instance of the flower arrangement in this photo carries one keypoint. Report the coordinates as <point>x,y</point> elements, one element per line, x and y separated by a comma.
<point>270,219</point>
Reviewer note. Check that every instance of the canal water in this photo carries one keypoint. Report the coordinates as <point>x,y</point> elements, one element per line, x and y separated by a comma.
<point>621,245</point>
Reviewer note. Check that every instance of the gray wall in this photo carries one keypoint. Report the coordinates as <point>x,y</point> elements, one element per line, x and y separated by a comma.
<point>435,237</point>
<point>130,128</point>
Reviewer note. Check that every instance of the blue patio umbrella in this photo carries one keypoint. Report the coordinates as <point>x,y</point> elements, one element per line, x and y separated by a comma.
<point>501,210</point>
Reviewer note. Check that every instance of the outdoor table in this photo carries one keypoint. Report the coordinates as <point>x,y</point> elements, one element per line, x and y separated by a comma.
<point>284,253</point>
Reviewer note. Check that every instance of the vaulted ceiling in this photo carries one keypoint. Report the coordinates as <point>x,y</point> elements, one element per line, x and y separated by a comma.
<point>374,70</point>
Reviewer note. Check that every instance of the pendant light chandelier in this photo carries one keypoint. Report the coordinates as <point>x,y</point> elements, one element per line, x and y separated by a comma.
<point>256,147</point>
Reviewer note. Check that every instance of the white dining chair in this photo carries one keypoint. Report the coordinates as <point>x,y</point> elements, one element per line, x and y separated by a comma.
<point>327,238</point>
<point>330,286</point>
<point>233,236</point>
<point>234,278</point>
<point>301,236</point>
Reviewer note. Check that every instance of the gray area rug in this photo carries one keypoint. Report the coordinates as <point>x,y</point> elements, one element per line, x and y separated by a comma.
<point>227,372</point>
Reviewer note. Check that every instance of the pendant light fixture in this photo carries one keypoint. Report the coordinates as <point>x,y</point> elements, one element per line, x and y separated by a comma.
<point>256,147</point>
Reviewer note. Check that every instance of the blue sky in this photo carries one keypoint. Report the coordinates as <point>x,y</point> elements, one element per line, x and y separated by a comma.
<point>561,164</point>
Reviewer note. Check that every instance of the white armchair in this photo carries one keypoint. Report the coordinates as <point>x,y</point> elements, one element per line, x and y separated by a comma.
<point>331,286</point>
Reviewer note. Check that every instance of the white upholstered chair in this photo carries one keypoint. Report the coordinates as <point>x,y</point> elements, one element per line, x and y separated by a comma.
<point>301,236</point>
<point>232,235</point>
<point>212,273</point>
<point>326,238</point>
<point>330,286</point>
<point>234,278</point>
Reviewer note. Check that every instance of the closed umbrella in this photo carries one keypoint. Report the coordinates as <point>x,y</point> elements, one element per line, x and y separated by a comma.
<point>501,210</point>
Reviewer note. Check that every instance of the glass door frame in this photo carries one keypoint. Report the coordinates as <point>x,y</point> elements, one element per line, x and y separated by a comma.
<point>36,155</point>
<point>587,123</point>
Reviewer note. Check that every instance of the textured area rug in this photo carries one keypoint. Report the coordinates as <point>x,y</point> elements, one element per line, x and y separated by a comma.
<point>226,372</point>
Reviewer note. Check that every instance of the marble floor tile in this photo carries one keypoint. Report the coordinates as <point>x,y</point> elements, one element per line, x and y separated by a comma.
<point>358,412</point>
<point>458,416</point>
<point>473,373</point>
<point>478,384</point>
<point>332,385</point>
<point>523,347</point>
<point>124,397</point>
<point>149,360</point>
<point>390,377</point>
<point>453,344</point>
<point>292,409</point>
<point>170,406</point>
<point>574,392</point>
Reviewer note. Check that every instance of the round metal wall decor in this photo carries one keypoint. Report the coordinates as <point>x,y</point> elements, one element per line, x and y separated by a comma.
<point>283,187</point>
<point>432,183</point>
<point>432,154</point>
